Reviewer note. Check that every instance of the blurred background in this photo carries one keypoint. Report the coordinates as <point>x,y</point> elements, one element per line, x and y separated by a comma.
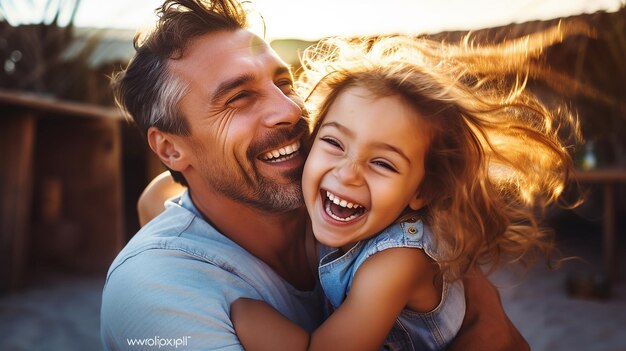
<point>71,168</point>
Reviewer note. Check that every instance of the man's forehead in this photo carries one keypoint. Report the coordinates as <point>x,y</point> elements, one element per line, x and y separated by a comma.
<point>224,50</point>
<point>239,42</point>
<point>215,58</point>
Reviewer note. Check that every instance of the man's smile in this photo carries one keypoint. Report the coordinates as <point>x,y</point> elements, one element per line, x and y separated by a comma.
<point>282,153</point>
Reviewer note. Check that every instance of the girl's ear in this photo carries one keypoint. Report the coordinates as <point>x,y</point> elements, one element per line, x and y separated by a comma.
<point>417,202</point>
<point>169,148</point>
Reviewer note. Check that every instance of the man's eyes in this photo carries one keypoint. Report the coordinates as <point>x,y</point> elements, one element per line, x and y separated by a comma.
<point>241,95</point>
<point>286,85</point>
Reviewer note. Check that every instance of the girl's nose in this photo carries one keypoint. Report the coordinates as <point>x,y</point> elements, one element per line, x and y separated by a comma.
<point>349,173</point>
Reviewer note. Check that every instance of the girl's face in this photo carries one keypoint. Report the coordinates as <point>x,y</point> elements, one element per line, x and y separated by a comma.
<point>364,168</point>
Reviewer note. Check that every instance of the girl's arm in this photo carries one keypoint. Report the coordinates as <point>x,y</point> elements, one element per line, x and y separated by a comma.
<point>150,203</point>
<point>260,327</point>
<point>384,284</point>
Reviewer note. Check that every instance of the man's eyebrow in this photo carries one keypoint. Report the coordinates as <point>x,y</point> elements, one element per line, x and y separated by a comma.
<point>282,70</point>
<point>226,86</point>
<point>349,133</point>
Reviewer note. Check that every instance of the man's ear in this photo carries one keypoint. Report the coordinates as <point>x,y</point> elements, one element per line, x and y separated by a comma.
<point>169,148</point>
<point>417,202</point>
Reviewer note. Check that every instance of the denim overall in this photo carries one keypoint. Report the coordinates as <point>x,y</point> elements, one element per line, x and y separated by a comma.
<point>412,330</point>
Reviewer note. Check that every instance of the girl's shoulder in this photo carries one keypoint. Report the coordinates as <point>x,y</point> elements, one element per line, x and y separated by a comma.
<point>414,234</point>
<point>408,234</point>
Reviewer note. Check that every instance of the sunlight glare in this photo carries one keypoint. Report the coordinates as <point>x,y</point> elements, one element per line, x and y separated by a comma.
<point>311,20</point>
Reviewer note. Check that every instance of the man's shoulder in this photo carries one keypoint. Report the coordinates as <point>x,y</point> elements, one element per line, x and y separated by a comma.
<point>171,257</point>
<point>165,284</point>
<point>178,270</point>
<point>163,232</point>
<point>178,245</point>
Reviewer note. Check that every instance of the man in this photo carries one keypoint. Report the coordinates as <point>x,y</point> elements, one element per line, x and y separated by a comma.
<point>216,105</point>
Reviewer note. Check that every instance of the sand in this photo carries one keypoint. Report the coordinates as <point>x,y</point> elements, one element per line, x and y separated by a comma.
<point>59,311</point>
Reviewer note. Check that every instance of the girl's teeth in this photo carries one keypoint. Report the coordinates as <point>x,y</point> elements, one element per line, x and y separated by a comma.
<point>338,201</point>
<point>348,219</point>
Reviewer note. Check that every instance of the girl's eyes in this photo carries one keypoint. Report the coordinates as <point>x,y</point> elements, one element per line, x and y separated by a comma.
<point>332,142</point>
<point>385,165</point>
<point>378,163</point>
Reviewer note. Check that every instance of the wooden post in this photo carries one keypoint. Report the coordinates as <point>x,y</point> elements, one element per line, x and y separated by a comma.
<point>608,232</point>
<point>17,137</point>
<point>609,179</point>
<point>85,154</point>
<point>61,192</point>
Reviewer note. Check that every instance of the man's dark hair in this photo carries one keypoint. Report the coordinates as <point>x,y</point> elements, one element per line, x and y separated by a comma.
<point>146,90</point>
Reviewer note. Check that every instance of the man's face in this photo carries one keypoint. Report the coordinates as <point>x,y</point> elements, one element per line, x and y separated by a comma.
<point>245,120</point>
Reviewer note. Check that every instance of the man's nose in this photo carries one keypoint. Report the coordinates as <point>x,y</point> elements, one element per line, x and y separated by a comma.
<point>282,110</point>
<point>349,172</point>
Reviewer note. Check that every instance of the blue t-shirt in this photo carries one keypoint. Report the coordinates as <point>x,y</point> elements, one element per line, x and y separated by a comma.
<point>412,330</point>
<point>172,285</point>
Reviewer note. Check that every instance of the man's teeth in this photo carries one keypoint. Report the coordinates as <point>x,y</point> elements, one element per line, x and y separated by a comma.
<point>341,202</point>
<point>282,152</point>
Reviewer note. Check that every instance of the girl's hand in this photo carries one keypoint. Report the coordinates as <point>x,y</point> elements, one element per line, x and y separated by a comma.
<point>260,327</point>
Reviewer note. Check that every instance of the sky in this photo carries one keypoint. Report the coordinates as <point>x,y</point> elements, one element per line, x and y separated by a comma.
<point>311,20</point>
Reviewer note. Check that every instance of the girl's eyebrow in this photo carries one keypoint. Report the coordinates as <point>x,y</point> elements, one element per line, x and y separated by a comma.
<point>339,126</point>
<point>392,149</point>
<point>380,145</point>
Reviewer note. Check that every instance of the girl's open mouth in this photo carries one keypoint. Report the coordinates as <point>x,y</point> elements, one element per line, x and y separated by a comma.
<point>340,209</point>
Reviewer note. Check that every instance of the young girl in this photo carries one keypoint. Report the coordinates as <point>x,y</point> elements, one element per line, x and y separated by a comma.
<point>426,160</point>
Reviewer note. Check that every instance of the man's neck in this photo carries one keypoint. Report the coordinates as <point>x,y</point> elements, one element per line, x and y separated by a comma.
<point>278,239</point>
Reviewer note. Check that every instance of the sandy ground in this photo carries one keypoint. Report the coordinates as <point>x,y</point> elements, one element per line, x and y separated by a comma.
<point>551,320</point>
<point>60,311</point>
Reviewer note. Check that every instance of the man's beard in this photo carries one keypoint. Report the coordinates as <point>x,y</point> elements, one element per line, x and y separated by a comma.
<point>246,184</point>
<point>272,197</point>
